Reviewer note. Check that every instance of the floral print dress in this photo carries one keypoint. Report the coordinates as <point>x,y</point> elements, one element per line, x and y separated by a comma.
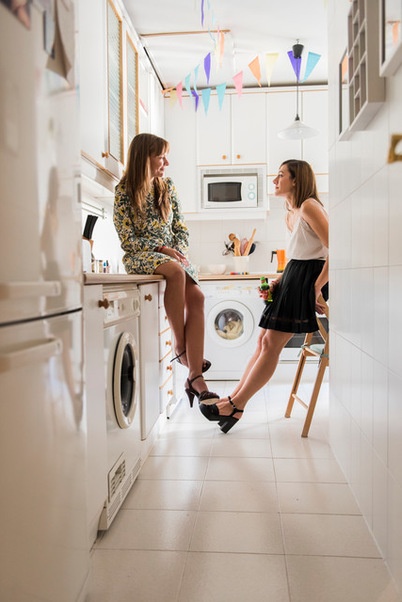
<point>140,235</point>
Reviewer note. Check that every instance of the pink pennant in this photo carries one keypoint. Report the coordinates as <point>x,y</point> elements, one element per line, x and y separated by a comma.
<point>238,81</point>
<point>179,90</point>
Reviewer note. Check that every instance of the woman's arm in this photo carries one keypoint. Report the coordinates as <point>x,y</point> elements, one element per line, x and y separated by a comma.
<point>179,228</point>
<point>316,217</point>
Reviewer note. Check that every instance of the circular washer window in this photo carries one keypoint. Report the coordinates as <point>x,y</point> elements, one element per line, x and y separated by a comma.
<point>230,323</point>
<point>125,380</point>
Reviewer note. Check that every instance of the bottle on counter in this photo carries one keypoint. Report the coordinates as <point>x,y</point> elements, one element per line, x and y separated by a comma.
<point>264,286</point>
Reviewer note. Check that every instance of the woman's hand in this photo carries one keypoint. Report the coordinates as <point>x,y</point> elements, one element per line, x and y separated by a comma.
<point>177,255</point>
<point>320,305</point>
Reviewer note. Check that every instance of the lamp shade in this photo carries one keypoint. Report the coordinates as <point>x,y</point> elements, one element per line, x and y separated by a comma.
<point>297,131</point>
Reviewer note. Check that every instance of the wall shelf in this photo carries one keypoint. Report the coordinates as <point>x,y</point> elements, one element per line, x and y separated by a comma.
<point>366,87</point>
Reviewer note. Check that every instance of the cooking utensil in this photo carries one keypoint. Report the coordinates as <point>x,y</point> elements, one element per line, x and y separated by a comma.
<point>250,242</point>
<point>243,245</point>
<point>89,226</point>
<point>236,243</point>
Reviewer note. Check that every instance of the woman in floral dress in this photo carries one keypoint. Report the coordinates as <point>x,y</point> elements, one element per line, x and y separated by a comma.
<point>154,238</point>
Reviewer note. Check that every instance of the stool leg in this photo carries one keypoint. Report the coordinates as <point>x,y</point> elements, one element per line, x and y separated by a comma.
<point>314,397</point>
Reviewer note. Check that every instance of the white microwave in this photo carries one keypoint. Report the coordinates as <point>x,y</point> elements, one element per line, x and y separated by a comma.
<point>237,188</point>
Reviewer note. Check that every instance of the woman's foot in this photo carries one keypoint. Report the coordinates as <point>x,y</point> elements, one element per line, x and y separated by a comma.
<point>182,359</point>
<point>196,387</point>
<point>225,412</point>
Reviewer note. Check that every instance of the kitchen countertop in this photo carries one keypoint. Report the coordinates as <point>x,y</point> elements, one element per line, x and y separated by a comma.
<point>90,278</point>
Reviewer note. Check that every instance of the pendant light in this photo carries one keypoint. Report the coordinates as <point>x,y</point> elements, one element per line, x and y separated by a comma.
<point>297,130</point>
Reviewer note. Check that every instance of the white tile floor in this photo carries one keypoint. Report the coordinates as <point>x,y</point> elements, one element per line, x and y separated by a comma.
<point>258,514</point>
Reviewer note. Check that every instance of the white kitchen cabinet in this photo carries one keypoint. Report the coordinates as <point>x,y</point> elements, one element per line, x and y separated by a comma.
<point>149,357</point>
<point>235,134</point>
<point>166,367</point>
<point>180,131</point>
<point>93,73</point>
<point>94,390</point>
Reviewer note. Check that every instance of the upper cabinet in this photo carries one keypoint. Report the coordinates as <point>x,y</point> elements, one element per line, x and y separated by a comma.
<point>233,134</point>
<point>366,86</point>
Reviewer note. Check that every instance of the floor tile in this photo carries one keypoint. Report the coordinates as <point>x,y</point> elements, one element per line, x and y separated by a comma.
<point>251,532</point>
<point>128,576</point>
<point>164,494</point>
<point>189,446</point>
<point>244,496</point>
<point>149,530</point>
<point>324,579</point>
<point>210,577</point>
<point>174,467</point>
<point>241,447</point>
<point>240,469</point>
<point>327,535</point>
<point>313,470</point>
<point>324,498</point>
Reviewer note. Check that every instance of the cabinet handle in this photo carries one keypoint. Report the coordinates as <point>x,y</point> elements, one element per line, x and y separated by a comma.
<point>168,343</point>
<point>105,155</point>
<point>238,156</point>
<point>170,392</point>
<point>169,367</point>
<point>148,297</point>
<point>224,156</point>
<point>104,303</point>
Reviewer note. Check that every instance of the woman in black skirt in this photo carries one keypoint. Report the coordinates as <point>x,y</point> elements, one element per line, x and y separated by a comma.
<point>296,293</point>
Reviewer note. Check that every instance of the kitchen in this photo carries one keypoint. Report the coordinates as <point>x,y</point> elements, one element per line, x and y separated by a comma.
<point>361,190</point>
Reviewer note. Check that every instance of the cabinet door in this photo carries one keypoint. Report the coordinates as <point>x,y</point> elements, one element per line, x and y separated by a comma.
<point>180,132</point>
<point>249,134</point>
<point>214,133</point>
<point>315,114</point>
<point>281,112</point>
<point>93,92</point>
<point>149,357</point>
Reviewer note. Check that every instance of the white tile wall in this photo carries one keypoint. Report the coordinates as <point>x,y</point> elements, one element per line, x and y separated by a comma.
<point>366,324</point>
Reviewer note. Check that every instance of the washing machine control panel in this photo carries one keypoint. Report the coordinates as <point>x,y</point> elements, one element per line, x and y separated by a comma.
<point>120,303</point>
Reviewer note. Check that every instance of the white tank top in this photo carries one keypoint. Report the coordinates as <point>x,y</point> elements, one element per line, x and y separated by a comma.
<point>304,243</point>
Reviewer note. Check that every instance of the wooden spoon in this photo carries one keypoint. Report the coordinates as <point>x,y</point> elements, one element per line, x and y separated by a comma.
<point>250,242</point>
<point>236,243</point>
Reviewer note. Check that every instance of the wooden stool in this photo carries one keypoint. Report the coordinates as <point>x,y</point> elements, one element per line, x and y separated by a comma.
<point>308,349</point>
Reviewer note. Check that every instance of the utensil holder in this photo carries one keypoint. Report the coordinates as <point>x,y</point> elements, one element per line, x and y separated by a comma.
<point>241,264</point>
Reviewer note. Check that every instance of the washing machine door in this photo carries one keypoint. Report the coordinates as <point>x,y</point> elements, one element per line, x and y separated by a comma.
<point>125,380</point>
<point>230,323</point>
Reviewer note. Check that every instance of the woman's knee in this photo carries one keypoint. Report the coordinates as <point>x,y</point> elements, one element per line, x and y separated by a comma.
<point>172,272</point>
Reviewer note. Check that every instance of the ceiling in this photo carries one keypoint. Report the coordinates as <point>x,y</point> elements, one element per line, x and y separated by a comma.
<point>176,42</point>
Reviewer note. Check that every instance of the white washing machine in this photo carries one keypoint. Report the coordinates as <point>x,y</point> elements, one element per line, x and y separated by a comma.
<point>122,373</point>
<point>232,313</point>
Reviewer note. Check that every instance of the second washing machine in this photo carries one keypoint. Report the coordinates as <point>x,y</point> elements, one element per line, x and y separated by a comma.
<point>122,373</point>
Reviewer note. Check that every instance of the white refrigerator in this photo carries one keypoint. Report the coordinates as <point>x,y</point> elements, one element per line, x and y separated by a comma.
<point>44,550</point>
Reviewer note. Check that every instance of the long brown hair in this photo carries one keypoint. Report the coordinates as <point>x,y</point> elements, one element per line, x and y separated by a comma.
<point>137,178</point>
<point>305,183</point>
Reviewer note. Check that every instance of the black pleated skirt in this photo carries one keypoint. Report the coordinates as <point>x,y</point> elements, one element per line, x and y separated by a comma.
<point>293,305</point>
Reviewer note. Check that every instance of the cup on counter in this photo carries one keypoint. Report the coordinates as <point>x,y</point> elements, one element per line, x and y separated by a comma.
<point>241,264</point>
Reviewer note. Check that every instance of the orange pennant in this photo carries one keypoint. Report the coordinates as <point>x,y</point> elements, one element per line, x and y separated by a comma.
<point>255,69</point>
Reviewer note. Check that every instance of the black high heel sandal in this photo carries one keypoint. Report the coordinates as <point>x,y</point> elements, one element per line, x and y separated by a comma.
<point>203,397</point>
<point>225,422</point>
<point>206,364</point>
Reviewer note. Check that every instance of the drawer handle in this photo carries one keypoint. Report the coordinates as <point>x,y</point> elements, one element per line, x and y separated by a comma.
<point>148,297</point>
<point>170,392</point>
<point>224,157</point>
<point>169,367</point>
<point>104,303</point>
<point>168,343</point>
<point>238,156</point>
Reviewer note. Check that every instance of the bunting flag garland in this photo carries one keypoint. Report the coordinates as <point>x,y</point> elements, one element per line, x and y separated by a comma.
<point>206,95</point>
<point>296,64</point>
<point>207,66</point>
<point>238,81</point>
<point>270,60</point>
<point>255,69</point>
<point>220,90</point>
<point>179,90</point>
<point>312,60</point>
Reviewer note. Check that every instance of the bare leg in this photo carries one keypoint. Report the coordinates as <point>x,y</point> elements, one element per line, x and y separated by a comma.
<point>174,299</point>
<point>271,343</point>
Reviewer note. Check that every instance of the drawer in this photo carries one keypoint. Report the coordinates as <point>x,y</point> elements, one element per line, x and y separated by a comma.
<point>165,344</point>
<point>165,369</point>
<point>166,393</point>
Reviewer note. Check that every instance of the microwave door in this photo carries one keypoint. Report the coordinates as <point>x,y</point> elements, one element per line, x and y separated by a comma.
<point>224,192</point>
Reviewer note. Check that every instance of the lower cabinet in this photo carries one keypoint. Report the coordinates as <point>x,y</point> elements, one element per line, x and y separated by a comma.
<point>149,357</point>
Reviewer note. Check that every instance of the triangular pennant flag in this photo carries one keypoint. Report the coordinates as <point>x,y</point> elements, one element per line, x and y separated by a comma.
<point>173,97</point>
<point>206,95</point>
<point>312,60</point>
<point>179,91</point>
<point>207,66</point>
<point>238,81</point>
<point>220,90</point>
<point>255,69</point>
<point>196,97</point>
<point>296,64</point>
<point>220,47</point>
<point>202,13</point>
<point>270,60</point>
<point>196,76</point>
<point>187,83</point>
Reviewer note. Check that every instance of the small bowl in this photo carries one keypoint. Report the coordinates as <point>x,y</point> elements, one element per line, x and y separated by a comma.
<point>216,268</point>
